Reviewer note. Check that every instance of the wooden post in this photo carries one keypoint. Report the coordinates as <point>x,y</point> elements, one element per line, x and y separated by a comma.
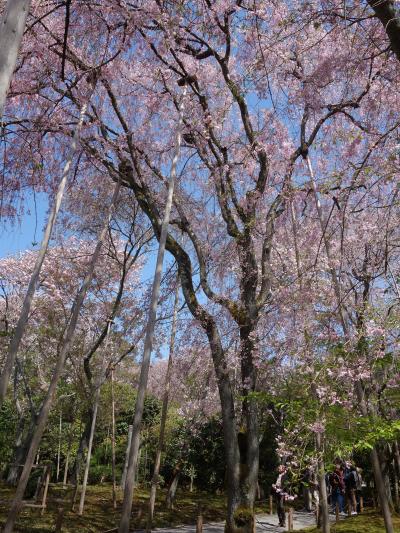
<point>59,521</point>
<point>361,503</point>
<point>271,506</point>
<point>290,519</point>
<point>337,512</point>
<point>199,521</point>
<point>39,485</point>
<point>46,488</point>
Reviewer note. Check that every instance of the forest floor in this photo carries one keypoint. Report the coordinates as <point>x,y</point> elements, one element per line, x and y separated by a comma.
<point>99,515</point>
<point>368,522</point>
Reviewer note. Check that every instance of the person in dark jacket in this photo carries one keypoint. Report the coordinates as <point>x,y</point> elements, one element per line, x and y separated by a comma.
<point>350,481</point>
<point>336,482</point>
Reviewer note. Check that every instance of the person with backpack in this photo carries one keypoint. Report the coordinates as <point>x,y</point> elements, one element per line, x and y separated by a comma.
<point>350,480</point>
<point>336,482</point>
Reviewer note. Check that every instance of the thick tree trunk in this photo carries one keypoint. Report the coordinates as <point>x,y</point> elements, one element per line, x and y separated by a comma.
<point>23,318</point>
<point>12,26</point>
<point>66,345</point>
<point>145,365</point>
<point>164,412</point>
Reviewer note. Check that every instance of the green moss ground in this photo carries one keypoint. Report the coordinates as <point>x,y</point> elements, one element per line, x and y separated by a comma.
<point>100,516</point>
<point>368,522</point>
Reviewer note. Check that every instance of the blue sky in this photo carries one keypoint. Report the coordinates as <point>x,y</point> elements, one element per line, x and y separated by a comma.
<point>22,233</point>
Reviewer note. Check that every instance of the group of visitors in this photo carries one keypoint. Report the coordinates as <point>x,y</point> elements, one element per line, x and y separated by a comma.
<point>343,485</point>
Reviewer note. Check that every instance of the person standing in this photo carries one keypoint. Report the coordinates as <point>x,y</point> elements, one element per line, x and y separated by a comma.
<point>350,481</point>
<point>338,488</point>
<point>279,492</point>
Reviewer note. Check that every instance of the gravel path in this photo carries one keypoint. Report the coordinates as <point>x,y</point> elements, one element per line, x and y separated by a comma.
<point>266,523</point>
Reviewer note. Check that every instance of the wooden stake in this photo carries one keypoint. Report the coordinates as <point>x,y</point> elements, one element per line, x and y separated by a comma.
<point>59,521</point>
<point>290,519</point>
<point>199,522</point>
<point>271,506</point>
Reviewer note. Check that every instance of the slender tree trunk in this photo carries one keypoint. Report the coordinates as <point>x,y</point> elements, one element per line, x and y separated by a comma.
<point>66,469</point>
<point>324,516</point>
<point>170,498</point>
<point>12,28</point>
<point>164,412</point>
<point>114,486</point>
<point>379,481</point>
<point>128,447</point>
<point>59,448</point>
<point>89,450</point>
<point>23,318</point>
<point>380,487</point>
<point>21,449</point>
<point>93,427</point>
<point>144,371</point>
<point>66,344</point>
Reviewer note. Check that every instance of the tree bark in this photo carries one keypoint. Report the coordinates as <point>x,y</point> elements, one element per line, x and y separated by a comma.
<point>23,318</point>
<point>114,485</point>
<point>128,447</point>
<point>324,516</point>
<point>59,447</point>
<point>164,412</point>
<point>144,371</point>
<point>66,345</point>
<point>379,481</point>
<point>12,28</point>
<point>89,450</point>
<point>171,493</point>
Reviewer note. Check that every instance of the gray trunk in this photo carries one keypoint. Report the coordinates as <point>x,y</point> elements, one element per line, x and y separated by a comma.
<point>12,28</point>
<point>145,365</point>
<point>128,447</point>
<point>26,306</point>
<point>66,345</point>
<point>164,412</point>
